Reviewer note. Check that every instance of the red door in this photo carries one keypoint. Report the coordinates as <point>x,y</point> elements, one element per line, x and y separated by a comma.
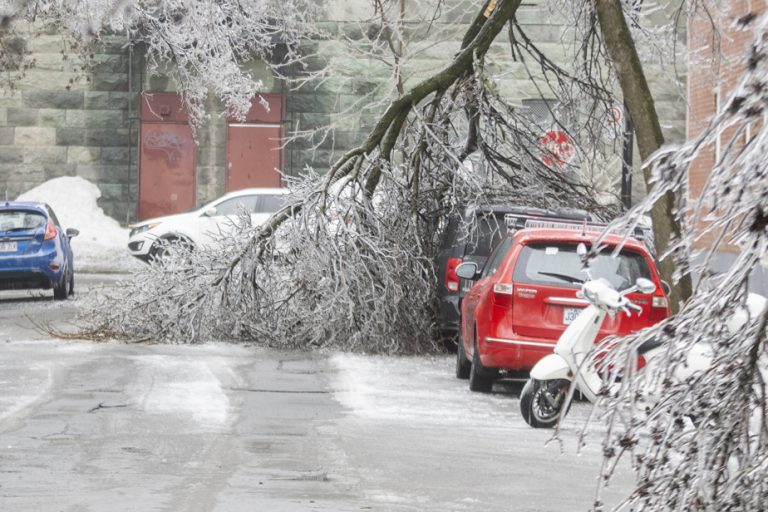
<point>254,147</point>
<point>166,157</point>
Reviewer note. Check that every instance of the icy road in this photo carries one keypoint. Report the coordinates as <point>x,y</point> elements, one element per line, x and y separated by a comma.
<point>110,427</point>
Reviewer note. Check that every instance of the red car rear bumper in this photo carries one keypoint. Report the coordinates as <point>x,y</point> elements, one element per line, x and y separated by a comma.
<point>513,354</point>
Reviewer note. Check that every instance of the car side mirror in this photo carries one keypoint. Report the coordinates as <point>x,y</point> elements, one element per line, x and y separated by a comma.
<point>467,270</point>
<point>645,286</point>
<point>210,212</point>
<point>666,288</point>
<point>72,232</point>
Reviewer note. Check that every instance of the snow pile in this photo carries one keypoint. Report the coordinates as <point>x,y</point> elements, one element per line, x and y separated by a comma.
<point>102,244</point>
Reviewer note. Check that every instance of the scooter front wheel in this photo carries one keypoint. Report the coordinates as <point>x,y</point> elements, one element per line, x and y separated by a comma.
<point>542,400</point>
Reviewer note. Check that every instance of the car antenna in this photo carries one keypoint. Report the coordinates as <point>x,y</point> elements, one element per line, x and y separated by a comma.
<point>584,228</point>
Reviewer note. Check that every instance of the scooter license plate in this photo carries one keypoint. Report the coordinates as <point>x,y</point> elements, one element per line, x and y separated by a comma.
<point>570,314</point>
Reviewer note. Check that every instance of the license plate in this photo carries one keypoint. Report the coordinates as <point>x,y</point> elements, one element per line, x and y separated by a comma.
<point>570,314</point>
<point>7,246</point>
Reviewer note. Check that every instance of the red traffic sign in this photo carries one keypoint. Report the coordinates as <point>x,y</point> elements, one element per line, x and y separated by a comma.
<point>558,149</point>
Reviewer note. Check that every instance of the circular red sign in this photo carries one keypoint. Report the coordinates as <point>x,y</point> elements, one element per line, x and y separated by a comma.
<point>557,147</point>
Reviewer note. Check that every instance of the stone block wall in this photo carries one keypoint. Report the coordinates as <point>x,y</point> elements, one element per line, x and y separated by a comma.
<point>355,77</point>
<point>69,116</point>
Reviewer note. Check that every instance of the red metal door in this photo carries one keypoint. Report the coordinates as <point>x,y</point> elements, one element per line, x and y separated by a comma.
<point>167,157</point>
<point>254,147</point>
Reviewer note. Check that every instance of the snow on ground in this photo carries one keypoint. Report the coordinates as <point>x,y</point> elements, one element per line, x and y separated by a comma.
<point>181,388</point>
<point>23,386</point>
<point>101,245</point>
<point>424,390</point>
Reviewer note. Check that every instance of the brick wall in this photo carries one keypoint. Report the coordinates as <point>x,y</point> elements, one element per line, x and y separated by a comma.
<point>715,68</point>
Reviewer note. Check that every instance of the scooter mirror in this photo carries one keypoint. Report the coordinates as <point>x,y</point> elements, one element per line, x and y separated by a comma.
<point>645,286</point>
<point>581,249</point>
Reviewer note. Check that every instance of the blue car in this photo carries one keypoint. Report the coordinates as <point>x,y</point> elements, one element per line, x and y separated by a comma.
<point>35,250</point>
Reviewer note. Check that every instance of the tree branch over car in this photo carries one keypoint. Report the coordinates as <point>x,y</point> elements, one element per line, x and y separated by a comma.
<point>349,261</point>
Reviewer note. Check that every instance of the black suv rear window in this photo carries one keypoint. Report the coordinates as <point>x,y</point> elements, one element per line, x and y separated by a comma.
<point>557,264</point>
<point>489,229</point>
<point>20,220</point>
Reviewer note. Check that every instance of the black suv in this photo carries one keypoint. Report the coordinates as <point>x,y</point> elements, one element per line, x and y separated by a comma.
<point>472,236</point>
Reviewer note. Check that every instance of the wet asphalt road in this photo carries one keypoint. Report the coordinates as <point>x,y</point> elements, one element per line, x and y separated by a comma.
<point>219,427</point>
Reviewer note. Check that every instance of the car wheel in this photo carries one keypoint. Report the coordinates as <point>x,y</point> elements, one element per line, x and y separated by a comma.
<point>72,284</point>
<point>463,364</point>
<point>480,378</point>
<point>163,249</point>
<point>61,290</point>
<point>542,400</point>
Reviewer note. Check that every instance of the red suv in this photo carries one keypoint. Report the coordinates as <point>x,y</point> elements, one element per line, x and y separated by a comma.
<point>525,296</point>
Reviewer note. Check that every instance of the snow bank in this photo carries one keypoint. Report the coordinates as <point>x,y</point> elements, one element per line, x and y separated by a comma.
<point>102,243</point>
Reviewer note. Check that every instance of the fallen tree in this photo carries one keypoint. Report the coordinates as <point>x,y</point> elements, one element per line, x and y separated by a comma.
<point>349,261</point>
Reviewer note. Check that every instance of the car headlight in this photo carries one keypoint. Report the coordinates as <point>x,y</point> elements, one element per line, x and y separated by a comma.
<point>140,229</point>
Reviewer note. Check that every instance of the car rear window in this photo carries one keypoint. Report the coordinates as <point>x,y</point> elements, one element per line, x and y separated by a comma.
<point>20,220</point>
<point>485,234</point>
<point>557,264</point>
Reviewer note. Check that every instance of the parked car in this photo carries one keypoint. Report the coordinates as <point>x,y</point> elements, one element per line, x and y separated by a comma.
<point>525,296</point>
<point>151,239</point>
<point>471,236</point>
<point>35,252</point>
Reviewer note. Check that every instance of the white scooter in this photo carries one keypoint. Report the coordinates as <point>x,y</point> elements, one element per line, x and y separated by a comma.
<point>546,392</point>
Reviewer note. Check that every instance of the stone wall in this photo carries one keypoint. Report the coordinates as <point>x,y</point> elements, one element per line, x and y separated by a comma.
<point>72,116</point>
<point>68,115</point>
<point>429,49</point>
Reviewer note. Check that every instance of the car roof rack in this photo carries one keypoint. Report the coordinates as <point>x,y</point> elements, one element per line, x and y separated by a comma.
<point>572,225</point>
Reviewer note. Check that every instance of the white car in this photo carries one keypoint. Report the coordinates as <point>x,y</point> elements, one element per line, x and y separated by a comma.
<point>151,238</point>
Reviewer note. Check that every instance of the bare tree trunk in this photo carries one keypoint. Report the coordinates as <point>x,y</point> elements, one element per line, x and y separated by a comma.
<point>642,111</point>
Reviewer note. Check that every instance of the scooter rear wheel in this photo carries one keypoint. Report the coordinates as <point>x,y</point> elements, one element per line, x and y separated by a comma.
<point>542,400</point>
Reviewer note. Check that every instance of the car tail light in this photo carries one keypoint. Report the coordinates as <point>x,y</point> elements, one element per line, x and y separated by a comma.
<point>502,294</point>
<point>659,308</point>
<point>451,279</point>
<point>50,231</point>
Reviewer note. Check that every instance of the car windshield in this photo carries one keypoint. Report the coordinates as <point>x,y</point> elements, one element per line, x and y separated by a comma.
<point>558,264</point>
<point>20,220</point>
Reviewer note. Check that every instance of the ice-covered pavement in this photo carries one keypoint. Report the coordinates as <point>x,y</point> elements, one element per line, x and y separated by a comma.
<point>423,390</point>
<point>410,420</point>
<point>230,428</point>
